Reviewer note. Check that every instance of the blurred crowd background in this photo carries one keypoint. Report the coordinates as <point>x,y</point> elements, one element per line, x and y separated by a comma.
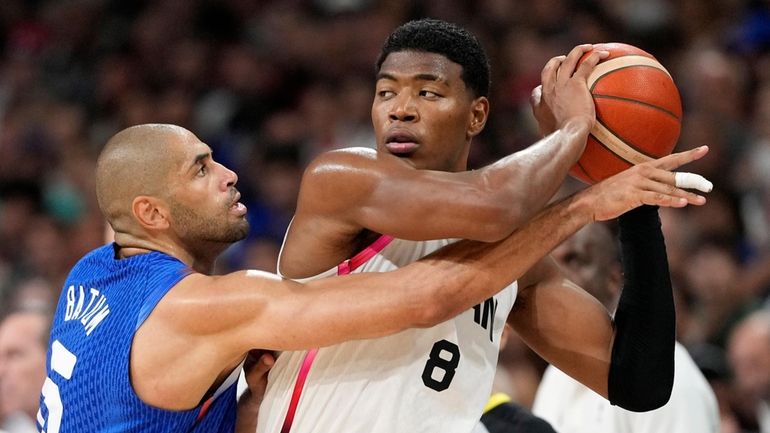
<point>270,84</point>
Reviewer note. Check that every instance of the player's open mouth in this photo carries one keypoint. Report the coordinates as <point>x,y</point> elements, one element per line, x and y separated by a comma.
<point>237,207</point>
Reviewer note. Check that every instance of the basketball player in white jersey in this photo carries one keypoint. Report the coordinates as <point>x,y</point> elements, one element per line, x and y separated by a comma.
<point>591,258</point>
<point>364,210</point>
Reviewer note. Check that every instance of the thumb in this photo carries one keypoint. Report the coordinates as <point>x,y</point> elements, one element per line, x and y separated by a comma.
<point>257,366</point>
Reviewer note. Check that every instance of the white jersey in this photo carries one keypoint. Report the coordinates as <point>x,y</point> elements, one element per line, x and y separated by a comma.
<point>420,380</point>
<point>572,408</point>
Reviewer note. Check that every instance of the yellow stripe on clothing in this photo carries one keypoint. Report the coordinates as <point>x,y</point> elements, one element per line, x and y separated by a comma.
<point>496,400</point>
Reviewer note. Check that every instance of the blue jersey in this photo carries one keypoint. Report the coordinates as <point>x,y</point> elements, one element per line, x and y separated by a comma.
<point>88,389</point>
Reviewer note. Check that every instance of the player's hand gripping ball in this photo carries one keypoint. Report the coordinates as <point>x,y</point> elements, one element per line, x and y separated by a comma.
<point>638,113</point>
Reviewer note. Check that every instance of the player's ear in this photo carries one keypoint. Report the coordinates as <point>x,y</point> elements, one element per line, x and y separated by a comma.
<point>151,212</point>
<point>478,116</point>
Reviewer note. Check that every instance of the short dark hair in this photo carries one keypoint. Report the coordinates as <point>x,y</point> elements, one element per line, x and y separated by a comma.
<point>447,39</point>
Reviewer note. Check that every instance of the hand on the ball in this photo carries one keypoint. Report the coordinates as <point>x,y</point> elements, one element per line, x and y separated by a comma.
<point>651,183</point>
<point>563,94</point>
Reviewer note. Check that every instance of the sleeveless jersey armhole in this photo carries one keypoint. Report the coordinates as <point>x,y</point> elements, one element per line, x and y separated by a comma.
<point>152,299</point>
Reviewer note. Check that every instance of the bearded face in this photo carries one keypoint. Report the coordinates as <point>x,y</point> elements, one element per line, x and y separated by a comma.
<point>208,224</point>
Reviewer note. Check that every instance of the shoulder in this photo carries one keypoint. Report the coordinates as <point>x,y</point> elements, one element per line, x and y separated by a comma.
<point>337,159</point>
<point>359,162</point>
<point>96,256</point>
<point>200,304</point>
<point>338,171</point>
<point>336,180</point>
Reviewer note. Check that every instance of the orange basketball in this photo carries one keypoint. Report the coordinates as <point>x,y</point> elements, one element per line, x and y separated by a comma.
<point>638,113</point>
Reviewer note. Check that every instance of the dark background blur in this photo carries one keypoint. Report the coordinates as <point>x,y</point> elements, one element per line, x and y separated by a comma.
<point>270,84</point>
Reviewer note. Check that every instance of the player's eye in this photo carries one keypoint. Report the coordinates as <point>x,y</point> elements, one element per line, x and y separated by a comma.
<point>429,94</point>
<point>202,171</point>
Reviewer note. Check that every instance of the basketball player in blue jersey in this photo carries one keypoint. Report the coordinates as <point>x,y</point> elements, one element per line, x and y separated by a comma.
<point>372,210</point>
<point>144,339</point>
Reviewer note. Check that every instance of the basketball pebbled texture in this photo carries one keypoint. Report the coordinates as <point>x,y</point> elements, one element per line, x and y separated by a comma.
<point>638,113</point>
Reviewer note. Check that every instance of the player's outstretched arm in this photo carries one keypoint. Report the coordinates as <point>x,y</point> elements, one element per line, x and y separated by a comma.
<point>458,276</point>
<point>264,311</point>
<point>359,188</point>
<point>214,321</point>
<point>628,360</point>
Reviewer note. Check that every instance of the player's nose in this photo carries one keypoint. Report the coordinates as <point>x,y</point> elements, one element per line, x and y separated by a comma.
<point>403,109</point>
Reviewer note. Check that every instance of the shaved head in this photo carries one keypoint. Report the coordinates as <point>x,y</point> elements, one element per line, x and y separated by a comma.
<point>135,161</point>
<point>160,189</point>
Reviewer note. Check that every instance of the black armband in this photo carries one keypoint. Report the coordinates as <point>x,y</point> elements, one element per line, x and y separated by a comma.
<point>642,368</point>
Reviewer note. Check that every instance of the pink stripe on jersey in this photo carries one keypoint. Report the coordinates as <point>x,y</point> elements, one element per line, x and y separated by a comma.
<point>307,362</point>
<point>343,268</point>
<point>204,409</point>
<point>364,255</point>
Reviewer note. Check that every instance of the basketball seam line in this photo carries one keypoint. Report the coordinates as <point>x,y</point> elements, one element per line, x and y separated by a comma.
<point>583,169</point>
<point>634,101</point>
<point>624,142</point>
<point>610,151</point>
<point>598,78</point>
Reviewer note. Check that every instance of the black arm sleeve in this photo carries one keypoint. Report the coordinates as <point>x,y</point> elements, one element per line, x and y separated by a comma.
<point>642,366</point>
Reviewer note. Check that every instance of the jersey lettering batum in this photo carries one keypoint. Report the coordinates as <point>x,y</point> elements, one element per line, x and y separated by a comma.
<point>419,380</point>
<point>88,388</point>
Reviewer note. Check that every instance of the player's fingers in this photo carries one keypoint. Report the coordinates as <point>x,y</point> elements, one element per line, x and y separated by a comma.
<point>665,185</point>
<point>663,200</point>
<point>569,64</point>
<point>692,181</point>
<point>256,371</point>
<point>536,96</point>
<point>676,160</point>
<point>588,65</point>
<point>674,183</point>
<point>548,74</point>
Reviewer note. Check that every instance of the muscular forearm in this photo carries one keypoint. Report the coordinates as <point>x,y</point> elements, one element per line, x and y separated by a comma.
<point>529,178</point>
<point>424,293</point>
<point>490,267</point>
<point>642,368</point>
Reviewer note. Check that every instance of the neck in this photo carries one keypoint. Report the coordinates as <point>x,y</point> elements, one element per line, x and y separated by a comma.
<point>199,259</point>
<point>203,256</point>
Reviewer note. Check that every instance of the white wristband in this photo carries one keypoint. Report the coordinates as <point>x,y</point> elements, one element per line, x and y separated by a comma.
<point>692,181</point>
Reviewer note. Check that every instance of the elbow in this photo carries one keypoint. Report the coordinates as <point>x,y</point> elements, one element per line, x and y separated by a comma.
<point>641,392</point>
<point>647,400</point>
<point>445,298</point>
<point>498,222</point>
<point>658,400</point>
<point>432,313</point>
<point>440,302</point>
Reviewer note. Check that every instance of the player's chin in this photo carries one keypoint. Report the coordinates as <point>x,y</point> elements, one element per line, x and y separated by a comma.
<point>239,230</point>
<point>415,160</point>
